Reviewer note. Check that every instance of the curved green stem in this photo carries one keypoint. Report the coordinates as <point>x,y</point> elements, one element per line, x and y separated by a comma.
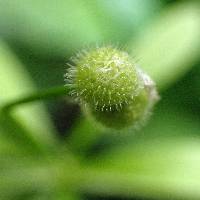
<point>39,95</point>
<point>79,141</point>
<point>15,129</point>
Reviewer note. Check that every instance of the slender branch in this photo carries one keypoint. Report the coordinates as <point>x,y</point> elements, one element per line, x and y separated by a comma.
<point>17,130</point>
<point>38,95</point>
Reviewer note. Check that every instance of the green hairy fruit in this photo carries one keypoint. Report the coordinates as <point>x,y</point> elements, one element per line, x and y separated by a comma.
<point>110,85</point>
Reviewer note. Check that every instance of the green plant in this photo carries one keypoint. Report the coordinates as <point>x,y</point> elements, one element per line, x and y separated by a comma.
<point>108,84</point>
<point>101,152</point>
<point>111,86</point>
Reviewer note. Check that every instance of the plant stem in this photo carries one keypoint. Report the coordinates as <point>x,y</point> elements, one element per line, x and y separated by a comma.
<point>85,135</point>
<point>39,95</point>
<point>17,130</point>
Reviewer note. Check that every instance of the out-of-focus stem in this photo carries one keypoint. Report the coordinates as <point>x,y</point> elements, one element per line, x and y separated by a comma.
<point>37,96</point>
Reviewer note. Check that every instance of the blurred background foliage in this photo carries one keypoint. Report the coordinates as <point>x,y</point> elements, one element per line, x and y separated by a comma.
<point>51,151</point>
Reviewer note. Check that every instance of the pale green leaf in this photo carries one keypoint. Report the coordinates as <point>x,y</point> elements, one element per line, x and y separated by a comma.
<point>169,47</point>
<point>15,82</point>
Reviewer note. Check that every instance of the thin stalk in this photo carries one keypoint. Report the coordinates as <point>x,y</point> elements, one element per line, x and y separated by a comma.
<point>18,132</point>
<point>79,141</point>
<point>84,136</point>
<point>37,96</point>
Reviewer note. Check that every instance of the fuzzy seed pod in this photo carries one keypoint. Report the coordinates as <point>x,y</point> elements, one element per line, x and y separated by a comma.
<point>109,83</point>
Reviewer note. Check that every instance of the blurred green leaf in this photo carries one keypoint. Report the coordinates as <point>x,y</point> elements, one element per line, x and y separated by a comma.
<point>155,168</point>
<point>15,82</point>
<point>49,27</point>
<point>51,177</point>
<point>119,20</point>
<point>7,147</point>
<point>170,46</point>
<point>58,28</point>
